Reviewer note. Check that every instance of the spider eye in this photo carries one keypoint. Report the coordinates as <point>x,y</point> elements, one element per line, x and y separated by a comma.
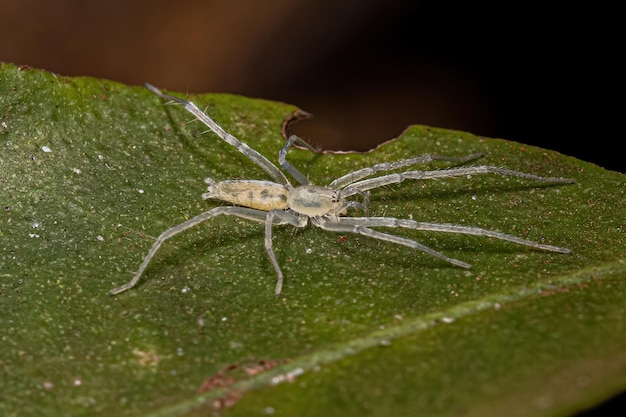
<point>335,196</point>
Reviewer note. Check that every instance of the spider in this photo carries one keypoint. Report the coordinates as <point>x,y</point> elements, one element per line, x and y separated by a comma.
<point>280,203</point>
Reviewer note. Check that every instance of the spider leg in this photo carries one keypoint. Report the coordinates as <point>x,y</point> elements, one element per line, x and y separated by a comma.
<point>377,182</point>
<point>243,212</point>
<point>333,226</point>
<point>443,227</point>
<point>282,158</point>
<point>279,217</point>
<point>355,176</point>
<point>264,163</point>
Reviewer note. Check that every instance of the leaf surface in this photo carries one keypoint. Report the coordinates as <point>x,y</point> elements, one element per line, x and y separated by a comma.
<point>91,171</point>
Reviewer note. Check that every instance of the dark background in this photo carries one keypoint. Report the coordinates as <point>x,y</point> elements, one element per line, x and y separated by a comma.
<point>366,69</point>
<point>540,74</point>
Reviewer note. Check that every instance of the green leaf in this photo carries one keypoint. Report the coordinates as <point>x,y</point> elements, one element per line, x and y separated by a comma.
<point>91,170</point>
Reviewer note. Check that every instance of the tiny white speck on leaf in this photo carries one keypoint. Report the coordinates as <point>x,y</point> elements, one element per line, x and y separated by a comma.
<point>46,149</point>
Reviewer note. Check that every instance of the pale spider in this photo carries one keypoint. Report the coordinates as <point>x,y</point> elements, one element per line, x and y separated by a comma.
<point>279,202</point>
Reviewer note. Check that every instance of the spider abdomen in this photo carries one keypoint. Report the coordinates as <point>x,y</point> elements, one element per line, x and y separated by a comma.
<point>260,195</point>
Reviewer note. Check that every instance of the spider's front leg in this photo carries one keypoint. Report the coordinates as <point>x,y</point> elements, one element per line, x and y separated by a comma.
<point>336,225</point>
<point>357,175</point>
<point>377,182</point>
<point>447,228</point>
